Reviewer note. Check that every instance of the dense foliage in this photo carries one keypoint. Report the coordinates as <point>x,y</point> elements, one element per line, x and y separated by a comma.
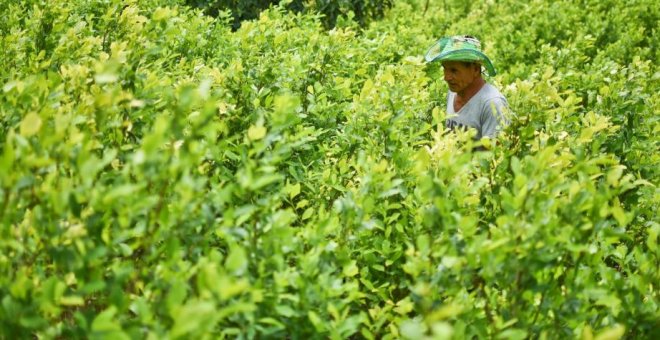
<point>163,176</point>
<point>329,11</point>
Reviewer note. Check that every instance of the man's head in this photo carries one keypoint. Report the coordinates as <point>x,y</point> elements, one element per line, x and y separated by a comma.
<point>461,75</point>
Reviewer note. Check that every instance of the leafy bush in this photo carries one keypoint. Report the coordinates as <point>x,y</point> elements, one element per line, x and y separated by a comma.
<point>362,11</point>
<point>164,176</point>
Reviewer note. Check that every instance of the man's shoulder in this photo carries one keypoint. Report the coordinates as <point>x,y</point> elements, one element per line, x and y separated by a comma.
<point>491,96</point>
<point>490,92</point>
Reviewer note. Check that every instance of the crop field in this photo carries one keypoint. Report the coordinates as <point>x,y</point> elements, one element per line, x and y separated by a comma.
<point>170,172</point>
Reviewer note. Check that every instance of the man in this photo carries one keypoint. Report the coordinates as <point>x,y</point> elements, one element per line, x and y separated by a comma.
<point>471,101</point>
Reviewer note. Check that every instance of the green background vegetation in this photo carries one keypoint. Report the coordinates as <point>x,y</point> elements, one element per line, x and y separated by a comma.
<point>163,175</point>
<point>361,11</point>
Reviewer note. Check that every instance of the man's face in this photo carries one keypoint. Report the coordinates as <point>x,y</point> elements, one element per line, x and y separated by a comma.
<point>459,75</point>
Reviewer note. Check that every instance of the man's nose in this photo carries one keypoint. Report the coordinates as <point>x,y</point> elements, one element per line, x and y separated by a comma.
<point>447,76</point>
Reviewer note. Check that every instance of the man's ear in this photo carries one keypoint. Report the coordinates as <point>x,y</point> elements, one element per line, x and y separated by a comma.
<point>477,67</point>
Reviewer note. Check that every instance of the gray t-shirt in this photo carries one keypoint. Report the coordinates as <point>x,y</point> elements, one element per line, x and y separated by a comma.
<point>486,112</point>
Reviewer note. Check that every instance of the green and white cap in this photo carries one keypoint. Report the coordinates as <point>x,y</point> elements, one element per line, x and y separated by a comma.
<point>460,48</point>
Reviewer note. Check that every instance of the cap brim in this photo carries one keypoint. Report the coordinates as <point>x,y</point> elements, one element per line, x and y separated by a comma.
<point>435,53</point>
<point>435,50</point>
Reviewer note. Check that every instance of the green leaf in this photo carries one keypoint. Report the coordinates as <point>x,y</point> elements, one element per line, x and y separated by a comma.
<point>106,321</point>
<point>412,329</point>
<point>237,261</point>
<point>652,239</point>
<point>72,301</point>
<point>619,215</point>
<point>404,306</point>
<point>105,78</point>
<point>614,333</point>
<point>307,214</point>
<point>513,334</point>
<point>265,180</point>
<point>273,322</point>
<point>230,288</point>
<point>285,311</point>
<point>9,86</point>
<point>350,269</point>
<point>447,311</point>
<point>120,191</point>
<point>30,125</point>
<point>293,190</point>
<point>256,132</point>
<point>316,321</point>
<point>193,316</point>
<point>286,103</point>
<point>161,13</point>
<point>423,243</point>
<point>7,160</point>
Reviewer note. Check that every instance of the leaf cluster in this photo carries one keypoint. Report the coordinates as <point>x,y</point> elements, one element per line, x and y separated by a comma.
<point>164,175</point>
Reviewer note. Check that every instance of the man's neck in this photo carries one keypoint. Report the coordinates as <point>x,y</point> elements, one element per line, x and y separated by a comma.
<point>471,90</point>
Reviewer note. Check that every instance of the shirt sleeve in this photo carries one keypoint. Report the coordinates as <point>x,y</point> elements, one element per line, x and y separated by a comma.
<point>450,103</point>
<point>494,117</point>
